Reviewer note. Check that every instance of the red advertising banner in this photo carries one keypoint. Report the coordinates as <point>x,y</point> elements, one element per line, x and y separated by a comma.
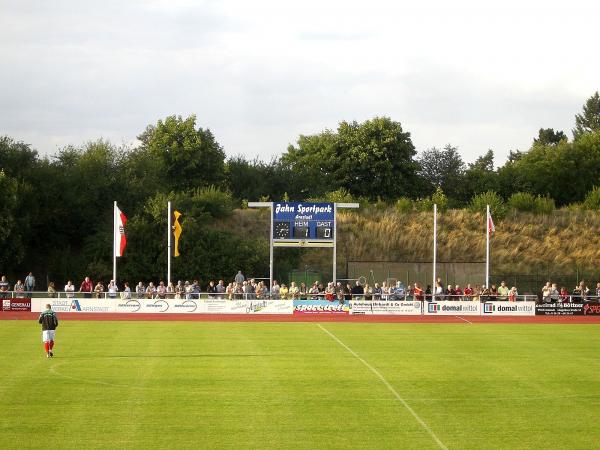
<point>16,304</point>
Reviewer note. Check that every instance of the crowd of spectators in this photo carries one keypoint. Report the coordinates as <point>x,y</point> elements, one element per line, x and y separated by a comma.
<point>242,288</point>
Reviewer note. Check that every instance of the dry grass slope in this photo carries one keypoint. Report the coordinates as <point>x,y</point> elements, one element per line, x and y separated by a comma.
<point>564,240</point>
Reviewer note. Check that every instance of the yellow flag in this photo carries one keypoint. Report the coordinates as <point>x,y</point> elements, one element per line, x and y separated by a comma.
<point>176,232</point>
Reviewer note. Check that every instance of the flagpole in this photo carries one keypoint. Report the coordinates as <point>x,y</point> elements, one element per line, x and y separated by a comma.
<point>169,244</point>
<point>433,286</point>
<point>115,242</point>
<point>487,247</point>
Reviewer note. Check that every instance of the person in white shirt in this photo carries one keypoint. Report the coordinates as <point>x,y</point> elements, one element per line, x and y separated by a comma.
<point>69,289</point>
<point>112,289</point>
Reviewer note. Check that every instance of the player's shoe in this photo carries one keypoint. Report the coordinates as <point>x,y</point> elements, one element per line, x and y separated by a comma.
<point>47,355</point>
<point>51,354</point>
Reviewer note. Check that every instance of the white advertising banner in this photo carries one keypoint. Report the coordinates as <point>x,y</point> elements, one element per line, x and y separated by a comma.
<point>391,307</point>
<point>503,308</point>
<point>450,308</point>
<point>74,305</point>
<point>204,306</point>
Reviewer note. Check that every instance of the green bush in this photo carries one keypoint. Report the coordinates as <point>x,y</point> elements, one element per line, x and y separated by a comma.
<point>404,205</point>
<point>544,205</point>
<point>526,202</point>
<point>497,206</point>
<point>522,201</point>
<point>592,199</point>
<point>438,198</point>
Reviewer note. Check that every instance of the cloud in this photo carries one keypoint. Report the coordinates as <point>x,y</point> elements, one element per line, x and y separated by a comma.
<point>261,73</point>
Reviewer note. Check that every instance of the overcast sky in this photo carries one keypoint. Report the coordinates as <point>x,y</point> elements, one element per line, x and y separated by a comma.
<point>476,74</point>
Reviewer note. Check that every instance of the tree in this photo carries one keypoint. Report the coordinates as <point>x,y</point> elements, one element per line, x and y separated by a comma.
<point>190,157</point>
<point>589,120</point>
<point>547,136</point>
<point>443,169</point>
<point>371,159</point>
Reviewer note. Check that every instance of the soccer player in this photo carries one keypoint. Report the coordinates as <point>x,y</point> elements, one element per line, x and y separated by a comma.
<point>49,323</point>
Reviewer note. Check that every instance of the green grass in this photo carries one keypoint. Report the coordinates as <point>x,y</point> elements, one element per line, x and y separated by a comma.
<point>290,385</point>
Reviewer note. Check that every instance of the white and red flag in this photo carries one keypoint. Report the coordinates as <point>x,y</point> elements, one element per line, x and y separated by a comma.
<point>120,238</point>
<point>491,227</point>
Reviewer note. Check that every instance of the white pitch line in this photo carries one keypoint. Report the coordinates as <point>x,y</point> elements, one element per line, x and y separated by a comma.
<point>462,318</point>
<point>389,386</point>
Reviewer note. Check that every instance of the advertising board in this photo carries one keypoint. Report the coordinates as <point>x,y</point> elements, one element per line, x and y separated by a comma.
<point>74,305</point>
<point>502,308</point>
<point>391,307</point>
<point>320,307</point>
<point>591,309</point>
<point>559,309</point>
<point>16,304</point>
<point>450,308</point>
<point>204,306</point>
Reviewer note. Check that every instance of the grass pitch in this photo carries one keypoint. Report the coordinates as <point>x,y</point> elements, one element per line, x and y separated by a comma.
<point>292,385</point>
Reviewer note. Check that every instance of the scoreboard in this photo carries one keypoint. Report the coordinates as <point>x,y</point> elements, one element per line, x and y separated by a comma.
<point>297,224</point>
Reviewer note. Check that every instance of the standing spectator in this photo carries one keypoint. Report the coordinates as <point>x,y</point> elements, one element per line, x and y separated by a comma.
<point>564,294</point>
<point>112,289</point>
<point>546,292</point>
<point>248,290</point>
<point>140,290</point>
<point>377,292</point>
<point>126,295</point>
<point>329,292</point>
<point>294,291</point>
<point>428,293</point>
<point>368,291</point>
<point>211,289</point>
<point>512,294</point>
<point>99,290</point>
<point>196,289</point>
<point>303,291</point>
<point>180,290</point>
<point>493,293</point>
<point>598,292</point>
<point>229,291</point>
<point>468,292</point>
<point>87,286</point>
<point>161,290</point>
<point>51,290</point>
<point>439,291</point>
<point>554,293</point>
<point>221,289</point>
<point>458,292</point>
<point>19,289</point>
<point>283,291</point>
<point>449,293</point>
<point>399,292</point>
<point>275,290</point>
<point>357,291</point>
<point>418,293</point>
<point>30,282</point>
<point>503,291</point>
<point>385,290</point>
<point>150,290</point>
<point>314,290</point>
<point>239,278</point>
<point>70,289</point>
<point>4,287</point>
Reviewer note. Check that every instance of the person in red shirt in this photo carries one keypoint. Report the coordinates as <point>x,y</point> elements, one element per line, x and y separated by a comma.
<point>418,292</point>
<point>458,292</point>
<point>469,292</point>
<point>87,287</point>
